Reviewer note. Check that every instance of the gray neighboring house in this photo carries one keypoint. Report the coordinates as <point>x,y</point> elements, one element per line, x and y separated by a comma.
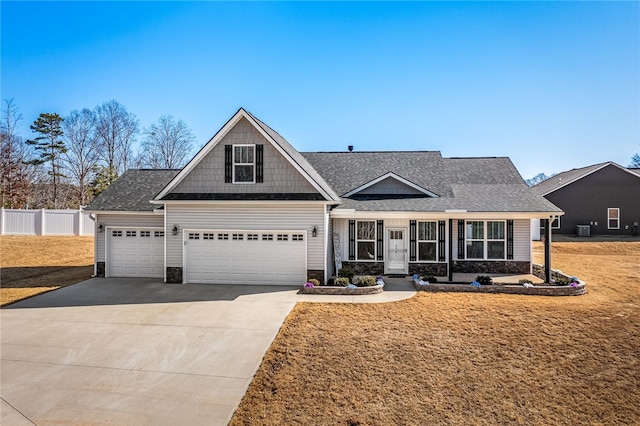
<point>250,209</point>
<point>600,199</point>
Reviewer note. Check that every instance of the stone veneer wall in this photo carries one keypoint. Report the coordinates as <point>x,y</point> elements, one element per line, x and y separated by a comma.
<point>491,267</point>
<point>336,290</point>
<point>317,274</point>
<point>100,269</point>
<point>536,290</point>
<point>365,268</point>
<point>435,269</point>
<point>174,275</point>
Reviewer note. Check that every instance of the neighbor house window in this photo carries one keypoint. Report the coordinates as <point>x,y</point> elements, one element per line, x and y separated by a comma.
<point>485,239</point>
<point>366,240</point>
<point>556,223</point>
<point>244,163</point>
<point>613,218</point>
<point>427,241</point>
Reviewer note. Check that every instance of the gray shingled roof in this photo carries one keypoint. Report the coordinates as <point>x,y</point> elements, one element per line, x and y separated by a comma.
<point>472,184</point>
<point>565,178</point>
<point>297,157</point>
<point>132,191</point>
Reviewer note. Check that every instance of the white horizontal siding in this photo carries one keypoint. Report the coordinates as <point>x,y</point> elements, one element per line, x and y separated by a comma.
<point>522,240</point>
<point>246,218</point>
<point>123,220</point>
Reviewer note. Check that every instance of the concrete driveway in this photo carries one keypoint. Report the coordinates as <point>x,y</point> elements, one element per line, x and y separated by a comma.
<point>136,351</point>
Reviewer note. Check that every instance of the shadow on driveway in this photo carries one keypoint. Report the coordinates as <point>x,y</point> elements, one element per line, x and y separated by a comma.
<point>127,291</point>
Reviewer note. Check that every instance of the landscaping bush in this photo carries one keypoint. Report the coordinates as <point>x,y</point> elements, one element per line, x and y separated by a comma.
<point>484,279</point>
<point>366,281</point>
<point>562,281</point>
<point>525,281</point>
<point>313,281</point>
<point>341,281</point>
<point>346,272</point>
<point>429,278</point>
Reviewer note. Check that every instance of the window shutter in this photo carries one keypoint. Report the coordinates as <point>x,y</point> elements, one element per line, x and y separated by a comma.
<point>412,241</point>
<point>259,163</point>
<point>352,240</point>
<point>380,240</point>
<point>441,241</point>
<point>460,239</point>
<point>228,164</point>
<point>509,239</point>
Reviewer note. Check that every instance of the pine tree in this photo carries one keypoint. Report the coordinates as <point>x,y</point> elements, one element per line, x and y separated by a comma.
<point>50,145</point>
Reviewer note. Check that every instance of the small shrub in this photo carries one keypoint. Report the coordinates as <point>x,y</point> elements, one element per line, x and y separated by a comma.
<point>429,278</point>
<point>525,281</point>
<point>346,272</point>
<point>562,281</point>
<point>484,279</point>
<point>313,281</point>
<point>342,281</point>
<point>367,281</point>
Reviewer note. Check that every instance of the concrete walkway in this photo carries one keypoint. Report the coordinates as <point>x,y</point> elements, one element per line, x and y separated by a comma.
<point>136,351</point>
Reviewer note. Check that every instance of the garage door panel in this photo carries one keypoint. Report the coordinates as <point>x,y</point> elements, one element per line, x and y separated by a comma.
<point>136,253</point>
<point>245,259</point>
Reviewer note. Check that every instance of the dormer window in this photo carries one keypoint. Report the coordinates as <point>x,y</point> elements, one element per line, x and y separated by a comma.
<point>243,163</point>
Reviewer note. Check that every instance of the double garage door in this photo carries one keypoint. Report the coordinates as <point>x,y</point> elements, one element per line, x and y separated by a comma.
<point>241,257</point>
<point>136,252</point>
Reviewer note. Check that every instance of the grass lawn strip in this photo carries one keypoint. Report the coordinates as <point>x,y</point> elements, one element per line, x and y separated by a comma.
<point>32,265</point>
<point>444,358</point>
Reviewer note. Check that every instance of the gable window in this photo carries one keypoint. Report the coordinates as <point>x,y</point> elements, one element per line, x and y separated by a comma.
<point>244,163</point>
<point>613,218</point>
<point>485,239</point>
<point>366,240</point>
<point>427,241</point>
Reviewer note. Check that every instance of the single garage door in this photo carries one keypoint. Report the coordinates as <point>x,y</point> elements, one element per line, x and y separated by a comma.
<point>136,253</point>
<point>236,257</point>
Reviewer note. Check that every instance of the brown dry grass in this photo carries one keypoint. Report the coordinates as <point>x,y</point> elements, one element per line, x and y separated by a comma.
<point>32,265</point>
<point>462,358</point>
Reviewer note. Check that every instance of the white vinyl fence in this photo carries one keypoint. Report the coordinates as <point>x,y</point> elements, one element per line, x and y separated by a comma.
<point>45,222</point>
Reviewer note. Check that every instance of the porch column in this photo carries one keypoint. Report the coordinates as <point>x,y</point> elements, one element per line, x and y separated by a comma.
<point>450,265</point>
<point>547,250</point>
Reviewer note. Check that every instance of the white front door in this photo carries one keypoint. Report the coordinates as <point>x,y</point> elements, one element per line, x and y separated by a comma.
<point>396,251</point>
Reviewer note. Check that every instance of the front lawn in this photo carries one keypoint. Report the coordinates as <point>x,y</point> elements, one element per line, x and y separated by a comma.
<point>460,358</point>
<point>32,265</point>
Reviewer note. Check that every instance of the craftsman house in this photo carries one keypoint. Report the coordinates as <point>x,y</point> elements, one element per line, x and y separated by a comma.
<point>601,199</point>
<point>250,209</point>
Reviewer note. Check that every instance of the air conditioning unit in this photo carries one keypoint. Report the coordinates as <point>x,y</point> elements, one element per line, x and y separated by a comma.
<point>583,230</point>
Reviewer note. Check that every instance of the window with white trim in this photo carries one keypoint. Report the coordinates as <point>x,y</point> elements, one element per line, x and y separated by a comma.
<point>208,236</point>
<point>116,233</point>
<point>427,241</point>
<point>556,223</point>
<point>297,237</point>
<point>244,163</point>
<point>158,234</point>
<point>194,236</point>
<point>131,233</point>
<point>237,237</point>
<point>485,239</point>
<point>267,237</point>
<point>145,233</point>
<point>366,240</point>
<point>252,237</point>
<point>283,237</point>
<point>613,218</point>
<point>223,236</point>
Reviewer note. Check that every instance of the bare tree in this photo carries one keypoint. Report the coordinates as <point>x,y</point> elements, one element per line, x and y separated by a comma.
<point>82,149</point>
<point>167,145</point>
<point>14,171</point>
<point>116,129</point>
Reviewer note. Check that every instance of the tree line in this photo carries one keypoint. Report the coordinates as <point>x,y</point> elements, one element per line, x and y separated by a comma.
<point>72,159</point>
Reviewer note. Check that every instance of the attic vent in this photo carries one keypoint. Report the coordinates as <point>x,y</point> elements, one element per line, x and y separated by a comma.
<point>350,147</point>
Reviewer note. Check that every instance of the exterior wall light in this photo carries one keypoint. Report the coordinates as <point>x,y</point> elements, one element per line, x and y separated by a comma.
<point>175,230</point>
<point>314,233</point>
<point>100,227</point>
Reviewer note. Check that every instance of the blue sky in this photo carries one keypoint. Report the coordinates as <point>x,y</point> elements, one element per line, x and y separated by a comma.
<point>552,85</point>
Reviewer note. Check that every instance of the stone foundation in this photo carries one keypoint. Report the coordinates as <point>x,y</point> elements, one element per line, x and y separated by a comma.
<point>335,290</point>
<point>100,269</point>
<point>316,274</point>
<point>365,268</point>
<point>491,267</point>
<point>434,269</point>
<point>174,275</point>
